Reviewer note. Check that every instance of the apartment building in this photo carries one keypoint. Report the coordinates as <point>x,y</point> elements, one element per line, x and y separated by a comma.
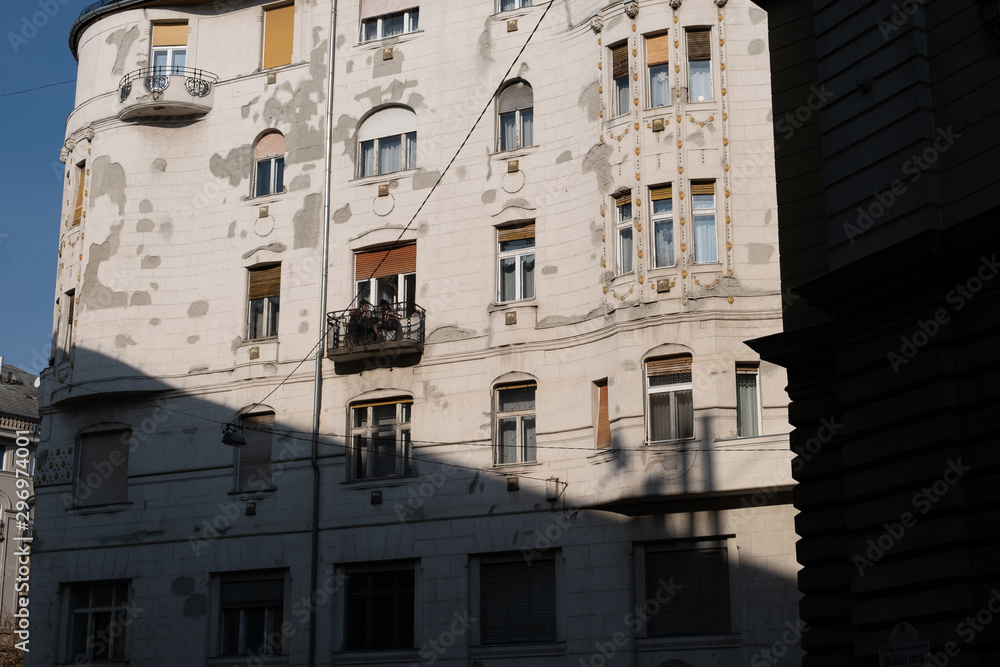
<point>398,334</point>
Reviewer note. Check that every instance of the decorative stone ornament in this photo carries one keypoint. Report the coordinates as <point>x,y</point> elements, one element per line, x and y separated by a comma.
<point>721,3</point>
<point>597,23</point>
<point>632,8</point>
<point>675,4</point>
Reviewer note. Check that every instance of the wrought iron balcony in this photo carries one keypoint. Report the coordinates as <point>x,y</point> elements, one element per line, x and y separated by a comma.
<point>360,333</point>
<point>166,91</point>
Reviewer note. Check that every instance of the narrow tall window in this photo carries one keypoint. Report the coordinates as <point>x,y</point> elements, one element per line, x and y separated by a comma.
<point>252,607</point>
<point>254,458</point>
<point>516,263</point>
<point>264,296</point>
<point>81,177</point>
<point>623,208</point>
<point>380,434</point>
<point>100,621</point>
<point>380,604</point>
<point>378,23</point>
<point>515,410</point>
<point>102,478</point>
<point>269,157</point>
<point>169,54</point>
<point>699,47</point>
<point>516,117</point>
<point>663,225</point>
<point>619,76</point>
<point>700,575</point>
<point>387,275</point>
<point>603,419</point>
<point>747,400</point>
<point>670,409</point>
<point>518,601</point>
<point>279,23</point>
<point>69,299</point>
<point>387,142</point>
<point>706,244</point>
<point>658,62</point>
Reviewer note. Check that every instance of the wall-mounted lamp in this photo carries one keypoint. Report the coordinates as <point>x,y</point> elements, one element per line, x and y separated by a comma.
<point>231,435</point>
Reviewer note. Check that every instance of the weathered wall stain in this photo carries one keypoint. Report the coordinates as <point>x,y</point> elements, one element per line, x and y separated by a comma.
<point>273,247</point>
<point>559,320</point>
<point>122,341</point>
<point>108,179</point>
<point>145,206</point>
<point>144,225</point>
<point>235,166</point>
<point>425,179</point>
<point>150,262</point>
<point>759,253</point>
<point>306,222</point>
<point>342,214</point>
<point>596,161</point>
<point>122,39</point>
<point>198,309</point>
<point>140,299</point>
<point>245,109</point>
<point>159,164</point>
<point>590,101</point>
<point>300,182</point>
<point>93,293</point>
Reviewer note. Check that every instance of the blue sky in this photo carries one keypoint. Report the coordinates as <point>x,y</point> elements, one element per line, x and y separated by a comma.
<point>33,53</point>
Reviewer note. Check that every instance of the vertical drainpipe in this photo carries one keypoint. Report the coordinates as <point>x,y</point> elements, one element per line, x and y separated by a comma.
<point>321,352</point>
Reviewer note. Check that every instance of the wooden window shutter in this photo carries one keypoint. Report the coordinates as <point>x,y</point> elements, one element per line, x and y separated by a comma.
<point>380,263</point>
<point>389,122</point>
<point>279,23</point>
<point>658,50</point>
<point>668,366</point>
<point>701,606</point>
<point>707,188</point>
<point>265,282</point>
<point>253,589</point>
<point>747,367</point>
<point>515,97</point>
<point>699,44</point>
<point>96,452</point>
<point>661,193</point>
<point>255,456</point>
<point>170,34</point>
<point>516,233</point>
<point>271,144</point>
<point>518,602</point>
<point>623,200</point>
<point>81,175</point>
<point>603,419</point>
<point>619,61</point>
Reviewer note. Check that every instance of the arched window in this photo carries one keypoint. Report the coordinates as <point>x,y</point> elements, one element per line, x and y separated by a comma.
<point>269,158</point>
<point>514,411</point>
<point>380,438</point>
<point>514,109</point>
<point>387,142</point>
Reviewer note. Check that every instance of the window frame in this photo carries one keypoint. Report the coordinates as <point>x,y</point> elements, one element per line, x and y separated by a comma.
<point>119,470</point>
<point>519,116</point>
<point>691,70</point>
<point>68,326</point>
<point>270,307</point>
<point>518,4</point>
<point>251,422</point>
<point>403,442</point>
<point>78,213</point>
<point>749,369</point>
<point>659,67</point>
<point>406,160</point>
<point>698,216</point>
<point>624,262</point>
<point>521,447</point>
<point>170,51</point>
<point>672,388</point>
<point>521,256</point>
<point>666,218</point>
<point>411,24</point>
<point>116,609</point>
<point>219,581</point>
<point>353,570</point>
<point>603,437</point>
<point>478,599</point>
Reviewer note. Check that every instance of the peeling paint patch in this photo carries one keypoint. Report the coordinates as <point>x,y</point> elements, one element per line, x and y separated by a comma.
<point>489,197</point>
<point>768,217</point>
<point>145,206</point>
<point>273,247</point>
<point>423,229</point>
<point>156,321</point>
<point>306,222</point>
<point>756,47</point>
<point>342,214</point>
<point>550,270</point>
<point>759,253</point>
<point>193,339</point>
<point>232,230</point>
<point>343,133</point>
<point>461,172</point>
<point>596,161</point>
<point>94,294</point>
<point>195,606</point>
<point>182,586</point>
<point>450,332</point>
<point>159,164</point>
<point>484,47</point>
<point>144,225</point>
<point>235,344</point>
<point>138,250</point>
<point>565,156</point>
<point>150,261</point>
<point>140,299</point>
<point>108,179</point>
<point>303,327</point>
<point>590,101</point>
<point>198,309</point>
<point>560,320</point>
<point>235,166</point>
<point>122,341</point>
<point>301,182</point>
<point>198,369</point>
<point>388,67</point>
<point>628,365</point>
<point>425,179</point>
<point>245,109</point>
<point>757,15</point>
<point>122,40</point>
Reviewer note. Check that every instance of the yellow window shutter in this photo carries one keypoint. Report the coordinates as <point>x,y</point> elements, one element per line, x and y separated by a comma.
<point>170,34</point>
<point>265,282</point>
<point>619,61</point>
<point>662,192</point>
<point>519,233</point>
<point>707,188</point>
<point>699,44</point>
<point>278,30</point>
<point>658,50</point>
<point>81,174</point>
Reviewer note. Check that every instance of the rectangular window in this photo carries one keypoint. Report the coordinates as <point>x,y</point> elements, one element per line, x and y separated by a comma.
<point>670,408</point>
<point>663,225</point>
<point>380,608</point>
<point>169,48</point>
<point>99,621</point>
<point>699,578</point>
<point>706,245</point>
<point>516,263</point>
<point>264,297</point>
<point>251,613</point>
<point>603,418</point>
<point>699,47</point>
<point>81,177</point>
<point>508,5</point>
<point>69,307</point>
<point>253,464</point>
<point>517,601</point>
<point>279,23</point>
<point>380,436</point>
<point>747,400</point>
<point>623,208</point>
<point>377,27</point>
<point>658,62</point>
<point>102,478</point>
<point>387,275</point>
<point>515,426</point>
<point>389,154</point>
<point>619,75</point>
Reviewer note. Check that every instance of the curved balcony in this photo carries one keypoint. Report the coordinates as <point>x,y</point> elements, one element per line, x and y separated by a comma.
<point>165,92</point>
<point>355,335</point>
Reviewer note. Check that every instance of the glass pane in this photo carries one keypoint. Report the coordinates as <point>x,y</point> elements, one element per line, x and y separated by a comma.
<point>705,242</point>
<point>660,422</point>
<point>390,154</point>
<point>160,59</point>
<point>520,244</point>
<point>384,415</point>
<point>279,174</point>
<point>410,292</point>
<point>364,292</point>
<point>384,454</point>
<point>368,158</point>
<point>178,60</point>
<point>659,86</point>
<point>411,150</point>
<point>392,25</point>
<point>704,202</point>
<point>371,30</point>
<point>118,636</point>
<point>746,405</point>
<point>387,288</point>
<point>525,3</point>
<point>621,95</point>
<point>274,644</point>
<point>685,413</point>
<point>527,122</point>
<point>360,457</point>
<point>272,316</point>
<point>253,629</point>
<point>528,276</point>
<point>507,5</point>
<point>624,212</point>
<point>80,635</point>
<point>522,398</point>
<point>625,250</point>
<point>414,16</point>
<point>508,279</point>
<point>102,632</point>
<point>528,438</point>
<point>700,87</point>
<point>263,178</point>
<point>405,455</point>
<point>508,139</point>
<point>121,593</point>
<point>662,206</point>
<point>360,417</point>
<point>507,441</point>
<point>103,595</point>
<point>663,239</point>
<point>404,413</point>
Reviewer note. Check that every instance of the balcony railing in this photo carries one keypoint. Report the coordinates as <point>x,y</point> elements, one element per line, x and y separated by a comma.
<point>357,333</point>
<point>166,91</point>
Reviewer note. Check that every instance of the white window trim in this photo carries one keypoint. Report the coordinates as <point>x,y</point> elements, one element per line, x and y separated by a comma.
<point>272,185</point>
<point>404,153</point>
<point>661,217</point>
<point>408,27</point>
<point>758,393</point>
<point>372,283</point>
<point>694,226</point>
<point>518,135</point>
<point>513,414</point>
<point>171,51</point>
<point>711,67</point>
<point>519,4</point>
<point>400,427</point>
<point>517,256</point>
<point>623,224</point>
<point>670,388</point>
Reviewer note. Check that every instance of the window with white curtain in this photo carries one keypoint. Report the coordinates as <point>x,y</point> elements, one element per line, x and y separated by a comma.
<point>623,208</point>
<point>389,24</point>
<point>669,399</point>
<point>662,199</point>
<point>508,5</point>
<point>747,400</point>
<point>658,63</point>
<point>515,117</point>
<point>387,142</point>
<point>706,244</point>
<point>699,46</point>
<point>516,263</point>
<point>515,425</point>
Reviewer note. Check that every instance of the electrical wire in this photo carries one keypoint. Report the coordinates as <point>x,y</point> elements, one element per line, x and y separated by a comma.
<point>28,90</point>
